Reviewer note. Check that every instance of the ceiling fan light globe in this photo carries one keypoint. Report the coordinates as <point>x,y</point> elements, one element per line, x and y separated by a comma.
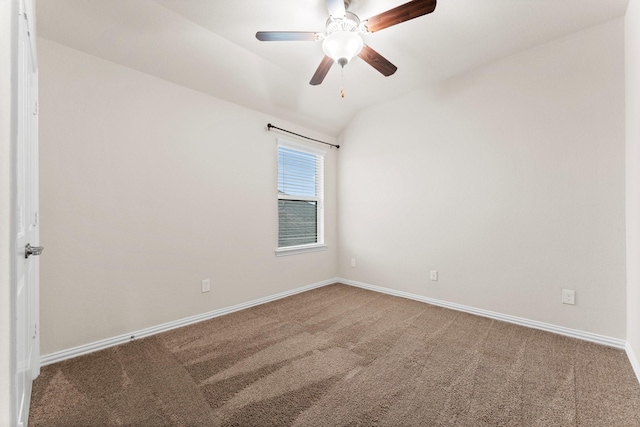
<point>342,46</point>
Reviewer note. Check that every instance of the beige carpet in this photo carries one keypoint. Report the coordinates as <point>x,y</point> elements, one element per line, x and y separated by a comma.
<point>343,356</point>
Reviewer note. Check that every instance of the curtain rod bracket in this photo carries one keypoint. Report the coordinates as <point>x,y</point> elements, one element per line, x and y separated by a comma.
<point>270,126</point>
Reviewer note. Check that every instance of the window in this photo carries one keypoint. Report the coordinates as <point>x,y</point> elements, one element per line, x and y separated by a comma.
<point>300,198</point>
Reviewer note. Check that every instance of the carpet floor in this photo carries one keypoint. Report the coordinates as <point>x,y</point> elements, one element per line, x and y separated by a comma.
<point>343,356</point>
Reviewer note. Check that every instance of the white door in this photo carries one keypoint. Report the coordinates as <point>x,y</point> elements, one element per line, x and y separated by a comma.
<point>27,357</point>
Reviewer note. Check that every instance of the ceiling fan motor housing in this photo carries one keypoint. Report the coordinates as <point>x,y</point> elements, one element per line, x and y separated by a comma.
<point>350,22</point>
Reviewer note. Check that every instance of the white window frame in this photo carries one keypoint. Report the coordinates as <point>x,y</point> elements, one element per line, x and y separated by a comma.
<point>320,244</point>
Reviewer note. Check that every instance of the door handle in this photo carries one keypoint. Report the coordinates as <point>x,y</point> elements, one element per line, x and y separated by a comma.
<point>32,250</point>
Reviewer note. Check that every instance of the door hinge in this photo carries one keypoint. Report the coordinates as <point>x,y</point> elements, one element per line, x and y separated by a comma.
<point>35,330</point>
<point>35,108</point>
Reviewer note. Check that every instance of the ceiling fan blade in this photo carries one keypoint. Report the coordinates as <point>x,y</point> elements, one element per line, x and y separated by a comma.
<point>377,61</point>
<point>283,36</point>
<point>322,71</point>
<point>399,14</point>
<point>336,8</point>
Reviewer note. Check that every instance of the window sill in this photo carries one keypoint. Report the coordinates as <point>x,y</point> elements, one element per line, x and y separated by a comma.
<point>294,250</point>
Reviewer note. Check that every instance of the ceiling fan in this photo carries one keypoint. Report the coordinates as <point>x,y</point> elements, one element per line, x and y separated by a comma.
<point>342,41</point>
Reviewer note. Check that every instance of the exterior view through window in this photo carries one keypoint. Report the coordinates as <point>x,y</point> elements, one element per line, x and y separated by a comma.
<point>300,196</point>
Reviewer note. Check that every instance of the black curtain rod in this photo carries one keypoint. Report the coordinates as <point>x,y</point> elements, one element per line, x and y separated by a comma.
<point>270,126</point>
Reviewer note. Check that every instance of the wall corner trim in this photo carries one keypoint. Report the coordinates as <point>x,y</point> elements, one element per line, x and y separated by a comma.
<point>70,353</point>
<point>573,333</point>
<point>635,364</point>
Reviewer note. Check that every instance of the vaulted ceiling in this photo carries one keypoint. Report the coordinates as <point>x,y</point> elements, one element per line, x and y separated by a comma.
<point>210,46</point>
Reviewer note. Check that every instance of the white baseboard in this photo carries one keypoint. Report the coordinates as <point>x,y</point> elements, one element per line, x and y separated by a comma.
<point>121,339</point>
<point>586,336</point>
<point>635,364</point>
<point>59,356</point>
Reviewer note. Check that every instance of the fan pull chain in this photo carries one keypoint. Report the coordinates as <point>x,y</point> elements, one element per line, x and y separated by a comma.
<point>342,83</point>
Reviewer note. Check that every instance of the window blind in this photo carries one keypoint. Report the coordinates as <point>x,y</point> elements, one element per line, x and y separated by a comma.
<point>300,188</point>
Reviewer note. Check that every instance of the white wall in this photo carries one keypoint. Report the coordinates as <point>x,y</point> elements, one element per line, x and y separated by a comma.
<point>508,180</point>
<point>632,58</point>
<point>7,36</point>
<point>146,189</point>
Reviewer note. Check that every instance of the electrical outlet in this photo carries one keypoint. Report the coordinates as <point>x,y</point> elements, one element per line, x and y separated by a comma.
<point>568,296</point>
<point>353,263</point>
<point>433,275</point>
<point>206,285</point>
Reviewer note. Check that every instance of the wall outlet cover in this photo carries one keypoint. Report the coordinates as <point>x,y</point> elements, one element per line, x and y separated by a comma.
<point>568,296</point>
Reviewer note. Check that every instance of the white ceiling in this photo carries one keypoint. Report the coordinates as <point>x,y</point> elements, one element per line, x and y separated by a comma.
<point>210,45</point>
